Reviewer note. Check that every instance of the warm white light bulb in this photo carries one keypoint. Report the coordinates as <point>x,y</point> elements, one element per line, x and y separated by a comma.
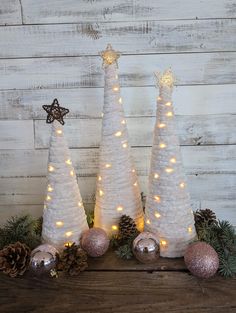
<point>59,131</point>
<point>108,165</point>
<point>169,114</point>
<point>101,193</point>
<point>161,125</point>
<point>68,234</point>
<point>158,215</point>
<point>148,221</point>
<point>168,104</point>
<point>123,122</point>
<point>99,178</point>
<point>156,176</point>
<point>118,134</point>
<point>125,145</point>
<point>169,170</point>
<point>114,227</point>
<point>133,170</point>
<point>136,184</point>
<point>115,88</point>
<point>158,98</point>
<point>59,223</point>
<point>80,204</point>
<point>50,189</point>
<point>120,100</point>
<point>190,229</point>
<point>182,185</point>
<point>50,168</point>
<point>48,198</point>
<point>163,243</point>
<point>173,160</point>
<point>162,145</point>
<point>102,114</point>
<point>119,208</point>
<point>157,198</point>
<point>72,173</point>
<point>68,162</point>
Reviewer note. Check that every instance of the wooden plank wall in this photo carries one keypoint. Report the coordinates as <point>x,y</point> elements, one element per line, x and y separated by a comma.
<point>50,49</point>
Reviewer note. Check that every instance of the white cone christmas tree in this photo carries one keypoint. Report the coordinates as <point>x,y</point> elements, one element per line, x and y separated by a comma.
<point>118,190</point>
<point>168,211</point>
<point>64,217</point>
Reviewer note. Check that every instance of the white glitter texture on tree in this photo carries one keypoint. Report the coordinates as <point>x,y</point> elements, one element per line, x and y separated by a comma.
<point>168,210</point>
<point>118,190</point>
<point>64,218</point>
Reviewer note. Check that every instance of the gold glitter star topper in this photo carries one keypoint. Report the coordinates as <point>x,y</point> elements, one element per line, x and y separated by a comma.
<point>109,56</point>
<point>166,78</point>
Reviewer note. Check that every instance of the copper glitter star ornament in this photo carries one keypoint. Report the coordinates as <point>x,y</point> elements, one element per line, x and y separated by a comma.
<point>109,56</point>
<point>55,112</point>
<point>166,78</point>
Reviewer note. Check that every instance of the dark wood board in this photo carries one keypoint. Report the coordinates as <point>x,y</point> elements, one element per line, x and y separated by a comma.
<point>113,285</point>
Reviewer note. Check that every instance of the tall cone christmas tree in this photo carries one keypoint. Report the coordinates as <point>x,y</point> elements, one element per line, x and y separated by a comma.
<point>118,190</point>
<point>64,217</point>
<point>168,212</point>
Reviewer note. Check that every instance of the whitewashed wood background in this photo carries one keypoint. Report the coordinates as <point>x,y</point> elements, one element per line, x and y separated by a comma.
<point>49,49</point>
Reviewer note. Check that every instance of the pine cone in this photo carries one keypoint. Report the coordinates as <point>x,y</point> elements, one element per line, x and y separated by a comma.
<point>14,259</point>
<point>73,260</point>
<point>205,217</point>
<point>127,228</point>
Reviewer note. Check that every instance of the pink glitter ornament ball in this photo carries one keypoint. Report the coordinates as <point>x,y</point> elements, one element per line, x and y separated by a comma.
<point>95,242</point>
<point>201,260</point>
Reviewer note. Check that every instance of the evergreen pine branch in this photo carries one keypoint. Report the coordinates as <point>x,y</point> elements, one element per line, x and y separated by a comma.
<point>20,228</point>
<point>124,252</point>
<point>221,236</point>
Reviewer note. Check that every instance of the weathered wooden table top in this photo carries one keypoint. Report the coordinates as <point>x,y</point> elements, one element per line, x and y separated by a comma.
<point>114,285</point>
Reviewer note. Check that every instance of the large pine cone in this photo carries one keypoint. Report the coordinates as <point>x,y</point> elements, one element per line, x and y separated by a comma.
<point>205,217</point>
<point>14,259</point>
<point>127,228</point>
<point>72,260</point>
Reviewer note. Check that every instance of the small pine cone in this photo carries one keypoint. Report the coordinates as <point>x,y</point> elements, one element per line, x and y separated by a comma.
<point>73,260</point>
<point>14,259</point>
<point>205,217</point>
<point>127,228</point>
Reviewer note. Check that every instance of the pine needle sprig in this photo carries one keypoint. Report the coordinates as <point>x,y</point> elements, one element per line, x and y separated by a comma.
<point>124,252</point>
<point>23,228</point>
<point>222,237</point>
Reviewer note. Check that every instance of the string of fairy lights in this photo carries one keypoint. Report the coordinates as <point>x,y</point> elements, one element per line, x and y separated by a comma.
<point>165,82</point>
<point>110,58</point>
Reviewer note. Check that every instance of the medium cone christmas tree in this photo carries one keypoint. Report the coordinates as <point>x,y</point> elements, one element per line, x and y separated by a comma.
<point>168,211</point>
<point>118,190</point>
<point>64,217</point>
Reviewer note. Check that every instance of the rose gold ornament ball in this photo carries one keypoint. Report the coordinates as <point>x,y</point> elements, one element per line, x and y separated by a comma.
<point>201,260</point>
<point>95,241</point>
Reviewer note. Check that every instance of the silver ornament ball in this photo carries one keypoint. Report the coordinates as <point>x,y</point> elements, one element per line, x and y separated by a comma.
<point>201,260</point>
<point>146,247</point>
<point>95,242</point>
<point>43,259</point>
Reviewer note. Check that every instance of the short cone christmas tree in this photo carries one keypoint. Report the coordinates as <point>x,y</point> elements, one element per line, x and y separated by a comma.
<point>64,217</point>
<point>168,212</point>
<point>118,190</point>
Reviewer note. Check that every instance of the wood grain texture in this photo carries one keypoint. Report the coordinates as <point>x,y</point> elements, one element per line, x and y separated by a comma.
<point>202,187</point>
<point>138,101</point>
<point>146,37</point>
<point>16,135</point>
<point>10,12</point>
<point>196,159</point>
<point>192,130</point>
<point>124,292</point>
<point>73,11</point>
<point>204,68</point>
